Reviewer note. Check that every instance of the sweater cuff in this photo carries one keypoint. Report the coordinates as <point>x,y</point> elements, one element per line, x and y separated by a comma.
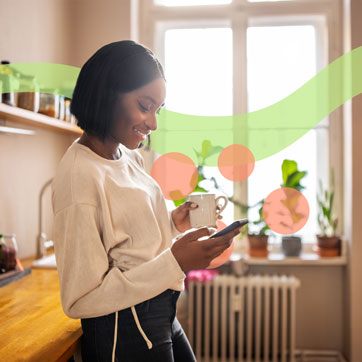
<point>175,263</point>
<point>174,230</point>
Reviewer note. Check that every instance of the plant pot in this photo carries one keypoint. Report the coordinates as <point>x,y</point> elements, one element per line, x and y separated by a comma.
<point>328,246</point>
<point>258,245</point>
<point>291,245</point>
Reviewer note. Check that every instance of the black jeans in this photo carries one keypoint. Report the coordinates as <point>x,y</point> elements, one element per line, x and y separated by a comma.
<point>157,317</point>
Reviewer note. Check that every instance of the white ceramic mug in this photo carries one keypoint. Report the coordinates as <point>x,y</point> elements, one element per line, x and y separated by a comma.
<point>207,213</point>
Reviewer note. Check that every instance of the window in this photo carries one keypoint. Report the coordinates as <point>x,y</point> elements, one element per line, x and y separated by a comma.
<point>257,55</point>
<point>280,59</point>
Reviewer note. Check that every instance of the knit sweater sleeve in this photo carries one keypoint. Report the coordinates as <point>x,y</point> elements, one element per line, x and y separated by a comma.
<point>174,230</point>
<point>89,286</point>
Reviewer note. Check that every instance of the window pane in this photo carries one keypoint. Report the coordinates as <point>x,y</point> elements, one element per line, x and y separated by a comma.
<point>280,59</point>
<point>191,2</point>
<point>198,71</point>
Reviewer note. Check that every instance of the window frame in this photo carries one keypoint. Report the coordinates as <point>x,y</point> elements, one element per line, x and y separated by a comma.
<point>239,15</point>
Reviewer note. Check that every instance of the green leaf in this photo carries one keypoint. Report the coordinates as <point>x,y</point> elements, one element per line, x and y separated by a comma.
<point>200,178</point>
<point>261,213</point>
<point>321,206</point>
<point>179,202</point>
<point>206,145</point>
<point>331,201</point>
<point>213,150</point>
<point>199,189</point>
<point>288,167</point>
<point>258,222</point>
<point>264,229</point>
<point>293,180</point>
<point>325,211</point>
<point>197,153</point>
<point>319,220</point>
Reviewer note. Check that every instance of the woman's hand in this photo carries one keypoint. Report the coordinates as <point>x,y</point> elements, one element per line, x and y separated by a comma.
<point>192,253</point>
<point>181,215</point>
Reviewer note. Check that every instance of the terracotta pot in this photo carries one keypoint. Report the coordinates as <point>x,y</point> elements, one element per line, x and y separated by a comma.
<point>327,252</point>
<point>258,245</point>
<point>329,242</point>
<point>328,246</point>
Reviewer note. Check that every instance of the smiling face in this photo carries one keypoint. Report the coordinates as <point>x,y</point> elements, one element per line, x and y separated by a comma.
<point>136,115</point>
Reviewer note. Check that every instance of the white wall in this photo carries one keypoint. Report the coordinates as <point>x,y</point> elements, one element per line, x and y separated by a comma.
<point>58,31</point>
<point>96,23</point>
<point>353,193</point>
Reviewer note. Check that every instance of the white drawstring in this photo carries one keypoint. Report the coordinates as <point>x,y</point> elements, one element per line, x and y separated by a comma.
<point>115,336</point>
<point>149,343</point>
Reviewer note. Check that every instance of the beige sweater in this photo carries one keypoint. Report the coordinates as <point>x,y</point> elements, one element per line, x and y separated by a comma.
<point>112,233</point>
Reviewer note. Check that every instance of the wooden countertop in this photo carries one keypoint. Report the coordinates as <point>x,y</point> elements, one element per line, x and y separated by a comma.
<point>33,324</point>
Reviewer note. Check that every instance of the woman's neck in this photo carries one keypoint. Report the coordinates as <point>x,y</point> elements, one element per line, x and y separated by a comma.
<point>109,150</point>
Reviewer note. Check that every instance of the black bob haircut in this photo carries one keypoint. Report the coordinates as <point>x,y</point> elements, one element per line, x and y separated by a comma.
<point>115,68</point>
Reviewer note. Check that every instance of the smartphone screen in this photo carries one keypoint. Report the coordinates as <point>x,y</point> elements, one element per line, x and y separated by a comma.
<point>236,224</point>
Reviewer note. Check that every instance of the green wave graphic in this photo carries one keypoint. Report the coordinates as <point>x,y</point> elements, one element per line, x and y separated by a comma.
<point>265,132</point>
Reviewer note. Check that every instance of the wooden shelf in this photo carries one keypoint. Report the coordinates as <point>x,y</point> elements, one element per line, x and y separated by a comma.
<point>23,116</point>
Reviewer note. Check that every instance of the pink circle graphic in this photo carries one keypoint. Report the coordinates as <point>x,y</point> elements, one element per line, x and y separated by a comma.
<point>236,162</point>
<point>176,175</point>
<point>285,210</point>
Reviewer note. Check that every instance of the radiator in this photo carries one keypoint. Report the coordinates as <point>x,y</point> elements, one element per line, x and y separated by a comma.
<point>243,319</point>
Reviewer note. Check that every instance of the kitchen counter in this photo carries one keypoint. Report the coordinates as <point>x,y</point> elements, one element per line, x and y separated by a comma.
<point>33,324</point>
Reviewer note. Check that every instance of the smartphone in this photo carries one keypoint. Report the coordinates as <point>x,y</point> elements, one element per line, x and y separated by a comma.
<point>236,224</point>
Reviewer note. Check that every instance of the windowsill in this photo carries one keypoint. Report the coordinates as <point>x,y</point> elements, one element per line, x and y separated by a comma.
<point>306,258</point>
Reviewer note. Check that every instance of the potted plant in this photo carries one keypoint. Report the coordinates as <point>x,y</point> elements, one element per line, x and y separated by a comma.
<point>207,150</point>
<point>329,243</point>
<point>257,231</point>
<point>258,239</point>
<point>292,244</point>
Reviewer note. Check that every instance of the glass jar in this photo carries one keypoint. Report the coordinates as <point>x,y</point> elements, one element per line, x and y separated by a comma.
<point>73,120</point>
<point>28,97</point>
<point>61,107</point>
<point>67,109</point>
<point>8,81</point>
<point>8,252</point>
<point>49,102</point>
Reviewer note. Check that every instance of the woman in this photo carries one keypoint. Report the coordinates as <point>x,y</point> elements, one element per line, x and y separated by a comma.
<point>118,270</point>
